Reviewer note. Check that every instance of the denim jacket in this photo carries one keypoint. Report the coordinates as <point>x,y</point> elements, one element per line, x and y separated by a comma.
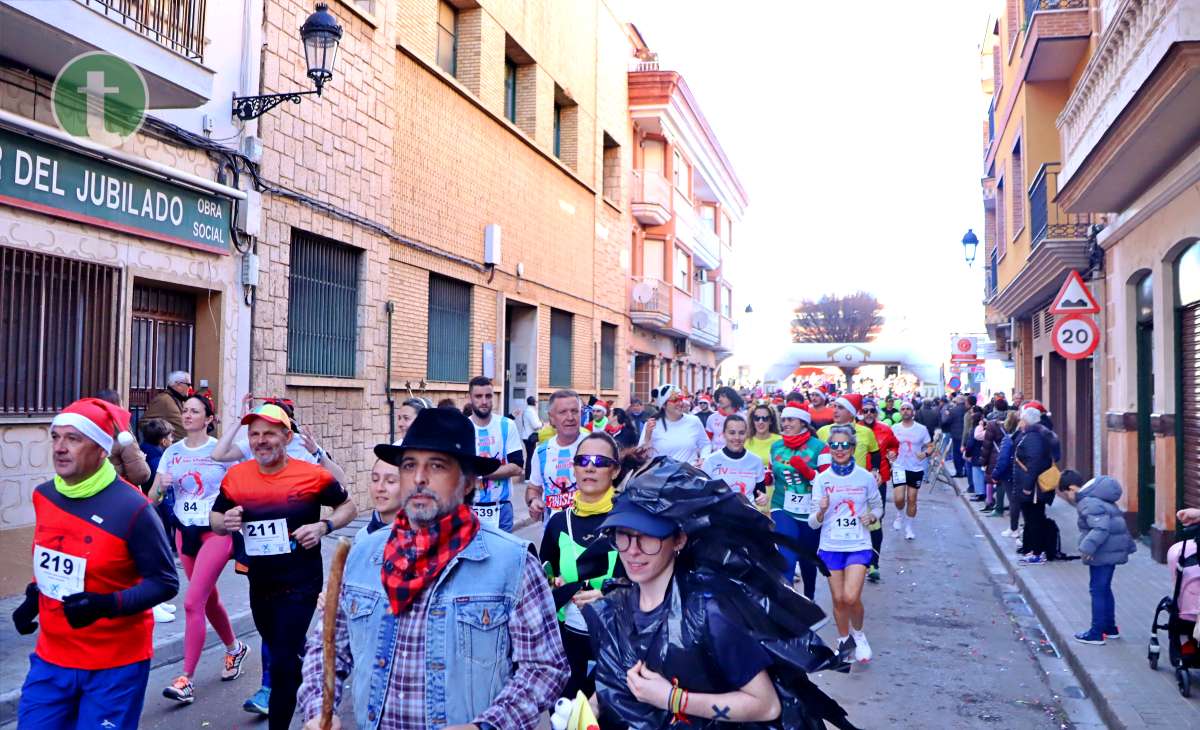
<point>466,633</point>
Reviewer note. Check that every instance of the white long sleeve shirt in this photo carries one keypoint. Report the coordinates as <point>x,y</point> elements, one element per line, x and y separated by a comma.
<point>850,497</point>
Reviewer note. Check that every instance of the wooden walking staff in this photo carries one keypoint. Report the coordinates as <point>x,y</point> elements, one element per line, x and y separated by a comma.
<point>333,589</point>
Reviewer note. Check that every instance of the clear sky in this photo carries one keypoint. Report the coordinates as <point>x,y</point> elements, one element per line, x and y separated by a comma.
<point>855,128</point>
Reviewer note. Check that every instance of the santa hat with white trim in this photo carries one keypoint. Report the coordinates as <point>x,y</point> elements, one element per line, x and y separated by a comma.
<point>795,409</point>
<point>851,402</point>
<point>97,419</point>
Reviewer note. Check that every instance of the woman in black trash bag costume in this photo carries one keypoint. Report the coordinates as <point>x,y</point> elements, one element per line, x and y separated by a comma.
<point>706,631</point>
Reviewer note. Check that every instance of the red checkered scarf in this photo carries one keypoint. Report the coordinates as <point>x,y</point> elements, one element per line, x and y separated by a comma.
<point>414,557</point>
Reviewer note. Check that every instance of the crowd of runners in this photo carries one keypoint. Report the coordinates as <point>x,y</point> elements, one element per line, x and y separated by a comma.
<point>653,517</point>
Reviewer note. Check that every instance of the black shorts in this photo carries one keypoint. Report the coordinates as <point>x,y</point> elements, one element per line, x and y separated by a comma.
<point>912,479</point>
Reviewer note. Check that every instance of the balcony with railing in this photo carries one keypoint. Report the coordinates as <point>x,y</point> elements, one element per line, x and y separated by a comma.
<point>164,39</point>
<point>657,305</point>
<point>651,197</point>
<point>1047,219</point>
<point>706,325</point>
<point>1056,38</point>
<point>697,233</point>
<point>175,24</point>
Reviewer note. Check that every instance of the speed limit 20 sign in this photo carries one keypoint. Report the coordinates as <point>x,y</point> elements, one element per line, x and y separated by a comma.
<point>1076,336</point>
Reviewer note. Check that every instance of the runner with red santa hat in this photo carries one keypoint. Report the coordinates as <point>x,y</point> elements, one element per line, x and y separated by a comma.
<point>101,562</point>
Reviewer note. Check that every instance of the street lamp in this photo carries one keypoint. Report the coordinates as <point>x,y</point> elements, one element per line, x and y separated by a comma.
<point>320,35</point>
<point>970,242</point>
<point>749,309</point>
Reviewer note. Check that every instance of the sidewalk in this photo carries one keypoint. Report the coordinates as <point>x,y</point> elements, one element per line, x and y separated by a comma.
<point>1116,676</point>
<point>168,638</point>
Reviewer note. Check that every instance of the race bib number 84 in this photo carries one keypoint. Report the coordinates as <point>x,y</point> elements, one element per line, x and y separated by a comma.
<point>58,574</point>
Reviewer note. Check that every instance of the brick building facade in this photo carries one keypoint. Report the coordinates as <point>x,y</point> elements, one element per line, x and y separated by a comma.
<point>445,123</point>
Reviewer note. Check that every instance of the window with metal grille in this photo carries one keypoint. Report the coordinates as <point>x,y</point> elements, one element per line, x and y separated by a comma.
<point>608,356</point>
<point>322,306</point>
<point>449,340</point>
<point>57,330</point>
<point>561,345</point>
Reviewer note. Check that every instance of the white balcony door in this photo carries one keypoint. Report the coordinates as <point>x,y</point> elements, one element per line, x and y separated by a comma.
<point>652,259</point>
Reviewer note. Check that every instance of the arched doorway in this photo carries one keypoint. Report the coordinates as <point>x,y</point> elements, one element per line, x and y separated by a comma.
<point>1187,279</point>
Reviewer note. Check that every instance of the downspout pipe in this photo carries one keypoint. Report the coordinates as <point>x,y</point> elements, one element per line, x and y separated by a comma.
<point>390,308</point>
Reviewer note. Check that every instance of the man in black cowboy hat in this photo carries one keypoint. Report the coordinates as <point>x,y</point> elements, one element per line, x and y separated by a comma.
<point>455,621</point>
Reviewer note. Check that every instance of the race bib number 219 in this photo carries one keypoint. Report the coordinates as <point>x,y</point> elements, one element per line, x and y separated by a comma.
<point>58,574</point>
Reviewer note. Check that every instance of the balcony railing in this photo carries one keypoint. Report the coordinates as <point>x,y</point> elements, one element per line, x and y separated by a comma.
<point>175,24</point>
<point>1032,6</point>
<point>1046,218</point>
<point>706,325</point>
<point>650,296</point>
<point>651,197</point>
<point>697,233</point>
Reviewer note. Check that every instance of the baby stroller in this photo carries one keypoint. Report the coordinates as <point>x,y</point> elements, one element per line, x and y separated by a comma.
<point>1181,609</point>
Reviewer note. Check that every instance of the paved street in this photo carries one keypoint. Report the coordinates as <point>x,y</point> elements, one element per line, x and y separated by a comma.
<point>955,646</point>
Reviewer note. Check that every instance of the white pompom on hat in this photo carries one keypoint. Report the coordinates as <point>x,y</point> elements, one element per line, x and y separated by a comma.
<point>96,419</point>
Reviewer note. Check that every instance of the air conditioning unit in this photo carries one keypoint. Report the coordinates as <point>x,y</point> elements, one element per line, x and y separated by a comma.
<point>683,347</point>
<point>702,276</point>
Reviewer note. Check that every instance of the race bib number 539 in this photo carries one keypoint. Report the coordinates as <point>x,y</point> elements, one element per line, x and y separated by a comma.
<point>58,574</point>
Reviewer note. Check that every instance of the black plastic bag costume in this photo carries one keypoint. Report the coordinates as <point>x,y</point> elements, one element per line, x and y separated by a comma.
<point>730,570</point>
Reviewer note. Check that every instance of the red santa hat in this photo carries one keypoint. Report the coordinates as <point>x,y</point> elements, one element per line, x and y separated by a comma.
<point>795,409</point>
<point>851,402</point>
<point>97,419</point>
<point>1035,404</point>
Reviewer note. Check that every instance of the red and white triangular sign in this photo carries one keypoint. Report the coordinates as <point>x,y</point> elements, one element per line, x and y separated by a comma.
<point>1074,297</point>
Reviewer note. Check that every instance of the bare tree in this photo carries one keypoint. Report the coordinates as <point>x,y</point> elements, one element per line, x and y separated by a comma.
<point>838,318</point>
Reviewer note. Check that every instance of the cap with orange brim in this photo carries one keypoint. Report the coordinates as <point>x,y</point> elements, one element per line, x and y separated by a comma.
<point>270,413</point>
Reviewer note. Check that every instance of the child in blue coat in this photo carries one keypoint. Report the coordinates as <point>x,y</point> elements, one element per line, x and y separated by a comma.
<point>1104,543</point>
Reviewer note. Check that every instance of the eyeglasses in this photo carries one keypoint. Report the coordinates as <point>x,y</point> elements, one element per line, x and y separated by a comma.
<point>840,445</point>
<point>868,410</point>
<point>646,544</point>
<point>762,419</point>
<point>599,461</point>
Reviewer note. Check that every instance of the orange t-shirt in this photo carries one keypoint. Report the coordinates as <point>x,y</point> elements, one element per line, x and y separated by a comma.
<point>295,494</point>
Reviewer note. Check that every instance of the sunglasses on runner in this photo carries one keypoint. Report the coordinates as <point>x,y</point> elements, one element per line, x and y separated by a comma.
<point>763,419</point>
<point>599,461</point>
<point>840,445</point>
<point>869,410</point>
<point>646,544</point>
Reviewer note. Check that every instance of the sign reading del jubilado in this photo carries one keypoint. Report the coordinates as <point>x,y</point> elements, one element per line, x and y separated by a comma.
<point>63,183</point>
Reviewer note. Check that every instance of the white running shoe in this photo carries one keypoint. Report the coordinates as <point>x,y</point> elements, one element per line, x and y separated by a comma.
<point>898,522</point>
<point>862,650</point>
<point>1007,533</point>
<point>170,607</point>
<point>908,533</point>
<point>162,615</point>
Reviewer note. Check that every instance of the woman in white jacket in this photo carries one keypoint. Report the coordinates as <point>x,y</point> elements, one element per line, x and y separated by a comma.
<point>849,504</point>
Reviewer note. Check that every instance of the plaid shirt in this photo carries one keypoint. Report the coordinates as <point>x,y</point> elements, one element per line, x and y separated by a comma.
<point>536,647</point>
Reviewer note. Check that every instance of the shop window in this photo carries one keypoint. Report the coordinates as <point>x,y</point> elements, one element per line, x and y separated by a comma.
<point>447,48</point>
<point>57,329</point>
<point>608,356</point>
<point>561,347</point>
<point>322,306</point>
<point>448,342</point>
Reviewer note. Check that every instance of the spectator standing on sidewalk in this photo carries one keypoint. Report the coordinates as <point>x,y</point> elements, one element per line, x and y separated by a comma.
<point>953,417</point>
<point>971,452</point>
<point>1104,543</point>
<point>528,425</point>
<point>1033,454</point>
<point>168,404</point>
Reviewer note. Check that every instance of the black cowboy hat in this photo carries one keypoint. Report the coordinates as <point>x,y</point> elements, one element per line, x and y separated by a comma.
<point>446,431</point>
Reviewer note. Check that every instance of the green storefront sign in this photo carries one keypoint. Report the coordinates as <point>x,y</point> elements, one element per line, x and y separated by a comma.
<point>57,181</point>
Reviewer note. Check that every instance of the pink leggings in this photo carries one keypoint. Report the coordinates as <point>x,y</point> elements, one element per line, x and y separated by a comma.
<point>202,599</point>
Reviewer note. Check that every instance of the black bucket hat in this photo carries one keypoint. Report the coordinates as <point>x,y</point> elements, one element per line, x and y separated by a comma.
<point>446,431</point>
